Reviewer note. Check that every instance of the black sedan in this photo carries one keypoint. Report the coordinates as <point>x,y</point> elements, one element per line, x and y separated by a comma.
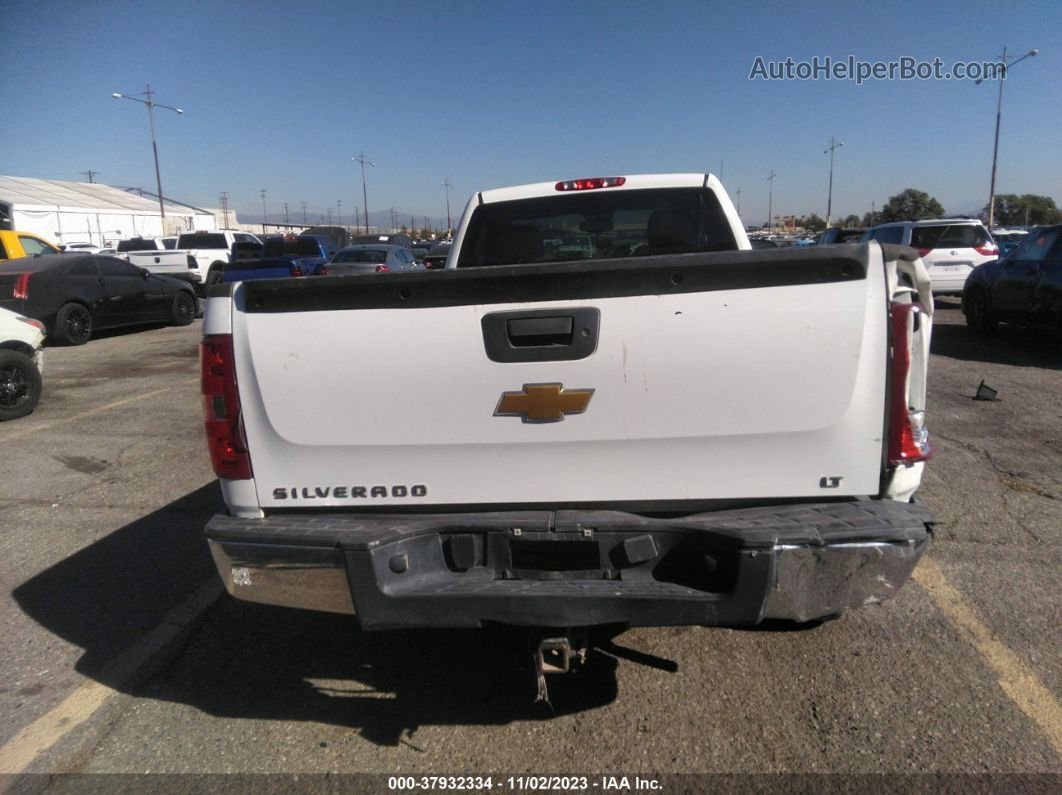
<point>75,295</point>
<point>1023,287</point>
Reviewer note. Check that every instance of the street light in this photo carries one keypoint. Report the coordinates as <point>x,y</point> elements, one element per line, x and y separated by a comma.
<point>449,224</point>
<point>829,196</point>
<point>364,196</point>
<point>770,200</point>
<point>151,105</point>
<point>999,114</point>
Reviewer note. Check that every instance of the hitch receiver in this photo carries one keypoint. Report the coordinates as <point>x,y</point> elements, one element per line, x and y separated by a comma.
<point>559,655</point>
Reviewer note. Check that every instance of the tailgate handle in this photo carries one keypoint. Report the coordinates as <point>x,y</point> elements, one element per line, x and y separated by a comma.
<point>533,331</point>
<point>544,335</point>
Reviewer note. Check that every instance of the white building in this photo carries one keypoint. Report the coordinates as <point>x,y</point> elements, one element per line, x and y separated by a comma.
<point>86,212</point>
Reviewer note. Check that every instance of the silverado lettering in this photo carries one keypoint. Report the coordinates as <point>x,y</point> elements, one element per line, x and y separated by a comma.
<point>348,492</point>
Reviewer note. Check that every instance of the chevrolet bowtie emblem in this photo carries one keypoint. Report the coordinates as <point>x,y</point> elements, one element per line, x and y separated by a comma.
<point>543,402</point>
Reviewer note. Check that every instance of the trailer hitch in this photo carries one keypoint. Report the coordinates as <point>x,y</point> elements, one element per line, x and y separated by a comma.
<point>559,655</point>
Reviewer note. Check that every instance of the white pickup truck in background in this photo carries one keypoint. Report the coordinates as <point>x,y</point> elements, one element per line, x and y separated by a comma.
<point>657,426</point>
<point>199,258</point>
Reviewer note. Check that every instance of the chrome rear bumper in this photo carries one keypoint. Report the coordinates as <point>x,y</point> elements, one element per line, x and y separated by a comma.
<point>576,568</point>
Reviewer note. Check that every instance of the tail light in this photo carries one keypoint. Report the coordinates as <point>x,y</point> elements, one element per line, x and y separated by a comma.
<point>221,408</point>
<point>987,250</point>
<point>322,271</point>
<point>382,269</point>
<point>590,184</point>
<point>29,321</point>
<point>296,270</point>
<point>922,252</point>
<point>908,437</point>
<point>193,264</point>
<point>21,286</point>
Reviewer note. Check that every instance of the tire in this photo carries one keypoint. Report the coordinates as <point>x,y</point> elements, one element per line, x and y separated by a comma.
<point>20,385</point>
<point>184,308</point>
<point>214,276</point>
<point>978,316</point>
<point>73,324</point>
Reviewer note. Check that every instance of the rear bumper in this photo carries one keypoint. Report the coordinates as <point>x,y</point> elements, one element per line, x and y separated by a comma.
<point>575,568</point>
<point>194,278</point>
<point>949,282</point>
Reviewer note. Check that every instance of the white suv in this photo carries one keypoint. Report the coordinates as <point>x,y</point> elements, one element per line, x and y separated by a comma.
<point>950,247</point>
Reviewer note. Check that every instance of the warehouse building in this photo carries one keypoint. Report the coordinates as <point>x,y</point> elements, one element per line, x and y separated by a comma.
<point>87,212</point>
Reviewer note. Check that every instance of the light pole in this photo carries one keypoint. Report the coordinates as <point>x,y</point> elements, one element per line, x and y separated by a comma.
<point>770,201</point>
<point>999,115</point>
<point>151,105</point>
<point>449,224</point>
<point>264,213</point>
<point>829,195</point>
<point>364,196</point>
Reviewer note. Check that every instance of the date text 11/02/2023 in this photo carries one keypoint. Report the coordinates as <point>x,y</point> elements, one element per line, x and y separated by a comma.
<point>523,783</point>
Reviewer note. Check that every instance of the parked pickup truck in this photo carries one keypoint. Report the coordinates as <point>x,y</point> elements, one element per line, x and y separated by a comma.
<point>671,429</point>
<point>199,258</point>
<point>280,256</point>
<point>317,247</point>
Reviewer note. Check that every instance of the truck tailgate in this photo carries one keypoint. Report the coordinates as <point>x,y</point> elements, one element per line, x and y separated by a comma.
<point>163,263</point>
<point>663,381</point>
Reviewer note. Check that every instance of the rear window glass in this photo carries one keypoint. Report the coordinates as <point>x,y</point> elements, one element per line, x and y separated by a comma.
<point>294,247</point>
<point>365,255</point>
<point>888,234</point>
<point>136,244</point>
<point>202,240</point>
<point>949,236</point>
<point>848,235</point>
<point>595,225</point>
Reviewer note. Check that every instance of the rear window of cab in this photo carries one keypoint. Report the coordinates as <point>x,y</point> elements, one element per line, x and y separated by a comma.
<point>949,236</point>
<point>596,224</point>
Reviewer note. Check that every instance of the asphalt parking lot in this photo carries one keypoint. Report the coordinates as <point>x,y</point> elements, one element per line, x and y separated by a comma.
<point>122,656</point>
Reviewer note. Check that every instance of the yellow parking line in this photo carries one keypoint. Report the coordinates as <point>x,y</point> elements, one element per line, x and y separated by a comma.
<point>22,750</point>
<point>19,752</point>
<point>1018,681</point>
<point>30,430</point>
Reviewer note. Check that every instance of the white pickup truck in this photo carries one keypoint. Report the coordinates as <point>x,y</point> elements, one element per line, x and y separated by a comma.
<point>199,258</point>
<point>670,429</point>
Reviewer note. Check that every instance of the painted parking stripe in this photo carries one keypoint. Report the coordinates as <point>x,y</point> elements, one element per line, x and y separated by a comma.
<point>1017,680</point>
<point>30,430</point>
<point>22,750</point>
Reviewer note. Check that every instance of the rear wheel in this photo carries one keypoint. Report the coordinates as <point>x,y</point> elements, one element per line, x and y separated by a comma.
<point>73,325</point>
<point>184,308</point>
<point>20,385</point>
<point>214,276</point>
<point>979,317</point>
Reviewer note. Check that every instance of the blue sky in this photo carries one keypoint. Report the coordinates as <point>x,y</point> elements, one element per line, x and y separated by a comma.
<point>280,96</point>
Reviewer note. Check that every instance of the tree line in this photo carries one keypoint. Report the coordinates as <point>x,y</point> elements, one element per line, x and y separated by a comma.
<point>913,205</point>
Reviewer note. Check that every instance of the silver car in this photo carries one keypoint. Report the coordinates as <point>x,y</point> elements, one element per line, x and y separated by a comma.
<point>371,258</point>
